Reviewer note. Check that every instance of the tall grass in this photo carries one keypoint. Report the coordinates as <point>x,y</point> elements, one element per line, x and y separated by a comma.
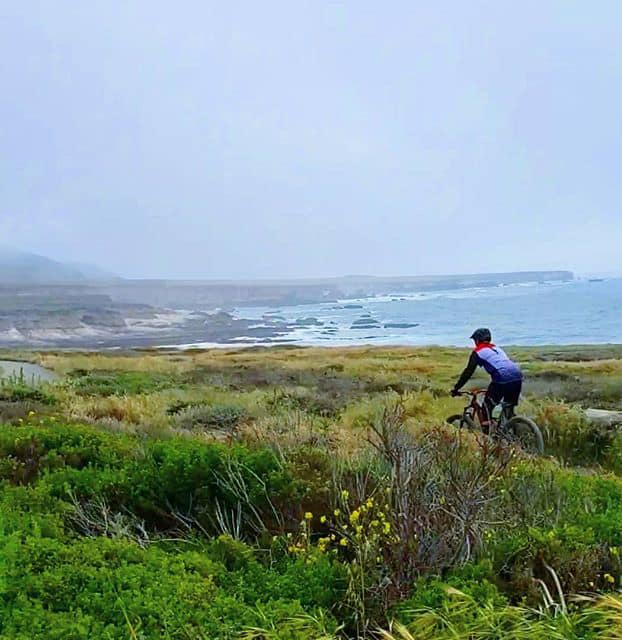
<point>461,617</point>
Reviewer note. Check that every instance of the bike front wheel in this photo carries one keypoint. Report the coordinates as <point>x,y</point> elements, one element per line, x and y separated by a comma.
<point>526,433</point>
<point>462,422</point>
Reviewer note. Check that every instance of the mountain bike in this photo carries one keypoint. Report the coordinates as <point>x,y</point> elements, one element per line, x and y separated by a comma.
<point>506,426</point>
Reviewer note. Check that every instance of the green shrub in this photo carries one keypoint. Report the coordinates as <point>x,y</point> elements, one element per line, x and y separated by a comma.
<point>100,588</point>
<point>26,451</point>
<point>16,390</point>
<point>613,457</point>
<point>156,479</point>
<point>568,521</point>
<point>324,403</point>
<point>206,417</point>
<point>24,510</point>
<point>475,580</point>
<point>119,383</point>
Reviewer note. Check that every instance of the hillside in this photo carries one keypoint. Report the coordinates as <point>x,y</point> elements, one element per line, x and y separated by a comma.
<point>306,494</point>
<point>211,294</point>
<point>18,267</point>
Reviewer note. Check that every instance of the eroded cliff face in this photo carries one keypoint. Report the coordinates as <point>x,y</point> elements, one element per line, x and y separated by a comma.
<point>58,319</point>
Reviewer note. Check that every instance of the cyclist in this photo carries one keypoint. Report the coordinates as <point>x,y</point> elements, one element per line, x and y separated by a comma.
<point>507,378</point>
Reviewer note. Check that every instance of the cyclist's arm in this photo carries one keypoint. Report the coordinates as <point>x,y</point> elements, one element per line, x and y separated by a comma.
<point>468,372</point>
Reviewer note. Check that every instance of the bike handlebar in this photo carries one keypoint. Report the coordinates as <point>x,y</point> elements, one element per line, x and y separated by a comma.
<point>471,392</point>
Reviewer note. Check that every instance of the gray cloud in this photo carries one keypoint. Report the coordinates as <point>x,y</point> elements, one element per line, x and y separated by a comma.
<point>204,139</point>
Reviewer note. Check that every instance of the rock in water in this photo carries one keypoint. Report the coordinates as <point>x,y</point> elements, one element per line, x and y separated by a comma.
<point>366,322</point>
<point>400,325</point>
<point>309,322</point>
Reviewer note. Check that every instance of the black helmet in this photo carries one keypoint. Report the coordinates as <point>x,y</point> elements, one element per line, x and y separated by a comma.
<point>482,335</point>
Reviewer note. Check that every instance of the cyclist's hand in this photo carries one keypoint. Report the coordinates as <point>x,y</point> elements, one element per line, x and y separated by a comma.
<point>454,393</point>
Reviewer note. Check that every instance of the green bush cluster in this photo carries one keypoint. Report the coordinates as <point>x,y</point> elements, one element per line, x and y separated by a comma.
<point>119,383</point>
<point>57,584</point>
<point>101,588</point>
<point>567,521</point>
<point>18,390</point>
<point>570,521</point>
<point>154,478</point>
<point>221,417</point>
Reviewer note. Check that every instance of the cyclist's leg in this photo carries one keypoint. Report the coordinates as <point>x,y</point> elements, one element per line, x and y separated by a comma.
<point>511,396</point>
<point>494,395</point>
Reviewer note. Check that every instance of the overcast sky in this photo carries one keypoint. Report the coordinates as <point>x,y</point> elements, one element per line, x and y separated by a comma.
<point>272,139</point>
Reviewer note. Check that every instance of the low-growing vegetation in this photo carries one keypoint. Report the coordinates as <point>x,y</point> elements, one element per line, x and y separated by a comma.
<point>305,494</point>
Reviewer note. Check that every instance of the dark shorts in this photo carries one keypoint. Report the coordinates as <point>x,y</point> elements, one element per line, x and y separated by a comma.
<point>508,392</point>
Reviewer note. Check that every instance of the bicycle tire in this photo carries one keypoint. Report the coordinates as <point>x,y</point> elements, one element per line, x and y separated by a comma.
<point>527,434</point>
<point>461,421</point>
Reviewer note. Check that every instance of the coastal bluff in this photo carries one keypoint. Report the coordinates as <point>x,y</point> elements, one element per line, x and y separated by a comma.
<point>211,294</point>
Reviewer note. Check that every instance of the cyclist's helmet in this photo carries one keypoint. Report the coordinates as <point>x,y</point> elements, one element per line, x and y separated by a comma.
<point>482,335</point>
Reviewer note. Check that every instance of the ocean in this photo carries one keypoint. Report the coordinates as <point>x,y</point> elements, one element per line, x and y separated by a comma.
<point>556,313</point>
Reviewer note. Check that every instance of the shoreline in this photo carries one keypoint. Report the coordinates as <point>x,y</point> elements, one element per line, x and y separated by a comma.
<point>562,314</point>
<point>594,351</point>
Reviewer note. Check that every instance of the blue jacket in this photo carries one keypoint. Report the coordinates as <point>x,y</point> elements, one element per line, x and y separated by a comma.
<point>496,363</point>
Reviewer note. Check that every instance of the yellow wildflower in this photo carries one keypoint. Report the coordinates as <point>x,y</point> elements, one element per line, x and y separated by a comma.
<point>308,516</point>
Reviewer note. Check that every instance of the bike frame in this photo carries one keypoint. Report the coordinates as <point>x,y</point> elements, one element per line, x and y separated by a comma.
<point>477,409</point>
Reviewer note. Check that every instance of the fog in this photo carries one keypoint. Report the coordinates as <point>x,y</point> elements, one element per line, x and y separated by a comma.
<point>293,139</point>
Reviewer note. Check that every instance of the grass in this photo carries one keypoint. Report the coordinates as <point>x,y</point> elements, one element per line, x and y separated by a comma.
<point>305,493</point>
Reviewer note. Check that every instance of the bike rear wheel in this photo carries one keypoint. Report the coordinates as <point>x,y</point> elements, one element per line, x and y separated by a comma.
<point>526,433</point>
